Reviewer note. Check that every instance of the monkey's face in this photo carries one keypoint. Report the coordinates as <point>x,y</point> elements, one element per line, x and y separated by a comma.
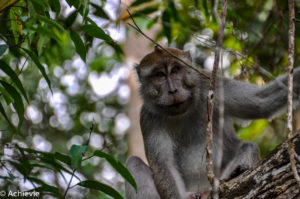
<point>166,83</point>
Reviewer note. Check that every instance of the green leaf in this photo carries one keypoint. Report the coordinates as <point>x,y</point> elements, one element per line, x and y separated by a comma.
<point>2,111</point>
<point>8,99</point>
<point>76,154</point>
<point>71,18</point>
<point>55,6</point>
<point>6,3</point>
<point>80,48</point>
<point>50,22</point>
<point>36,60</point>
<point>146,11</point>
<point>84,11</point>
<point>24,168</point>
<point>18,102</point>
<point>101,187</point>
<point>3,48</point>
<point>39,5</point>
<point>63,158</point>
<point>138,2</point>
<point>97,32</point>
<point>47,188</point>
<point>99,11</point>
<point>48,33</point>
<point>167,29</point>
<point>75,3</point>
<point>174,12</point>
<point>205,7</point>
<point>16,26</point>
<point>14,77</point>
<point>118,166</point>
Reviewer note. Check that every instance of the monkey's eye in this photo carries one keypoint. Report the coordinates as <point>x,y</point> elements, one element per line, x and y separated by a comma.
<point>159,74</point>
<point>175,69</point>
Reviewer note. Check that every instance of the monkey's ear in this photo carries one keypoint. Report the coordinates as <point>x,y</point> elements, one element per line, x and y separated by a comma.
<point>188,54</point>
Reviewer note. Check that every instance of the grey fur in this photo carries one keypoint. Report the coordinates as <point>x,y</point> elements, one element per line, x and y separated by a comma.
<point>175,142</point>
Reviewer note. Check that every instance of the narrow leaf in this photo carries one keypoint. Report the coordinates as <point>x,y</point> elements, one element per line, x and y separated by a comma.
<point>97,32</point>
<point>80,48</point>
<point>118,166</point>
<point>99,11</point>
<point>167,29</point>
<point>48,188</point>
<point>2,111</point>
<point>101,187</point>
<point>71,18</point>
<point>3,48</point>
<point>146,11</point>
<point>55,6</point>
<point>36,60</point>
<point>50,22</point>
<point>24,168</point>
<point>15,27</point>
<point>14,77</point>
<point>6,3</point>
<point>75,3</point>
<point>6,95</point>
<point>63,158</point>
<point>138,2</point>
<point>18,102</point>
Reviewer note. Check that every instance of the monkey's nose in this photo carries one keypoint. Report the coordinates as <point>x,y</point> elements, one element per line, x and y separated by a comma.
<point>172,91</point>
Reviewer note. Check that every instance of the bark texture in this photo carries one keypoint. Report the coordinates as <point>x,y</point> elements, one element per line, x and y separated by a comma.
<point>271,178</point>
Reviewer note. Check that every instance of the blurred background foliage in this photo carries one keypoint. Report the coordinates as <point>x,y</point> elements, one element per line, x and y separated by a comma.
<point>62,72</point>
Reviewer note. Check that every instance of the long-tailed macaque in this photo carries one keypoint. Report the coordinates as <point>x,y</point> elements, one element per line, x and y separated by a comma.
<point>173,121</point>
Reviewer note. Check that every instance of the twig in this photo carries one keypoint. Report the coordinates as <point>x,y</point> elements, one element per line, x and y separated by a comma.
<point>87,158</point>
<point>74,169</point>
<point>68,187</point>
<point>211,99</point>
<point>291,148</point>
<point>136,27</point>
<point>91,130</point>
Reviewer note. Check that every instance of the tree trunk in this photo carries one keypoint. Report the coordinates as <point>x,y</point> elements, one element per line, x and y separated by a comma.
<point>271,178</point>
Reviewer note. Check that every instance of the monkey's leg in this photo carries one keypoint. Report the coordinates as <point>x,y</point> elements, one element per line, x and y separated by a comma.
<point>245,158</point>
<point>144,179</point>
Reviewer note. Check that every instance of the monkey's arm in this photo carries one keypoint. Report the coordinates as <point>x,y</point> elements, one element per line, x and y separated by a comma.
<point>248,101</point>
<point>167,179</point>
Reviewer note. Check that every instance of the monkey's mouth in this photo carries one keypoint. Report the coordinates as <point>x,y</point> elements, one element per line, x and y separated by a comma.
<point>177,108</point>
<point>176,105</point>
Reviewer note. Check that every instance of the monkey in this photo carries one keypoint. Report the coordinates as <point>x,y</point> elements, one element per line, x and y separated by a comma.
<point>173,123</point>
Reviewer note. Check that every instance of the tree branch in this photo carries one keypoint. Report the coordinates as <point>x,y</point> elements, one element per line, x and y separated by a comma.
<point>271,178</point>
<point>290,87</point>
<point>214,181</point>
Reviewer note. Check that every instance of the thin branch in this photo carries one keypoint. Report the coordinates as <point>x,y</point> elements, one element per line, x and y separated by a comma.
<point>68,187</point>
<point>91,130</point>
<point>74,169</point>
<point>87,158</point>
<point>136,27</point>
<point>291,148</point>
<point>211,99</point>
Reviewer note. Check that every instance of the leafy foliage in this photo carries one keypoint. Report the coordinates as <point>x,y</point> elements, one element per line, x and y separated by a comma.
<point>54,58</point>
<point>38,42</point>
